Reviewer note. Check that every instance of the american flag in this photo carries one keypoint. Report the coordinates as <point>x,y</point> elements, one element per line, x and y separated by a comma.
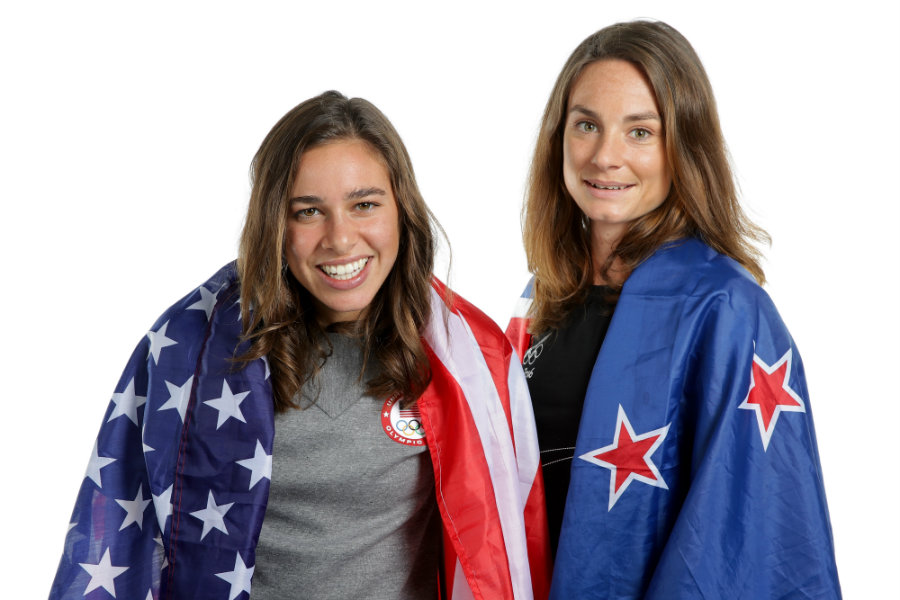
<point>176,487</point>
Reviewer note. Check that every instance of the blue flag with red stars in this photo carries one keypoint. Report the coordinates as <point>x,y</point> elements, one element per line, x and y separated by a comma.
<point>695,472</point>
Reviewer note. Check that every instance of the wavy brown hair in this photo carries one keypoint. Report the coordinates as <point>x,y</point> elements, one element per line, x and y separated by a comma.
<point>278,313</point>
<point>702,203</point>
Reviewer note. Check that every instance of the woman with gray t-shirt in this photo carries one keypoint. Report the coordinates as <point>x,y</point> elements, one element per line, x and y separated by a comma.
<point>322,418</point>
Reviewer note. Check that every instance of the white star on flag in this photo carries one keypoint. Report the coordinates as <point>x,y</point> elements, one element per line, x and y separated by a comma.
<point>134,509</point>
<point>260,465</point>
<point>146,448</point>
<point>206,303</point>
<point>162,552</point>
<point>96,463</point>
<point>102,574</point>
<point>127,403</point>
<point>158,341</point>
<point>239,578</point>
<point>163,506</point>
<point>228,405</point>
<point>213,516</point>
<point>178,397</point>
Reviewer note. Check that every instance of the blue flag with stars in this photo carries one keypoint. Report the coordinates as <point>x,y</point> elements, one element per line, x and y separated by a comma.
<point>137,507</point>
<point>175,493</point>
<point>695,472</point>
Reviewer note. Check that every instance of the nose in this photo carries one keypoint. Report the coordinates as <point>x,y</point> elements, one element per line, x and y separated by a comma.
<point>608,151</point>
<point>341,233</point>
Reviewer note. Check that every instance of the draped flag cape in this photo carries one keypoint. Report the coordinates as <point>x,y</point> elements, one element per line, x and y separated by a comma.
<point>175,493</point>
<point>695,471</point>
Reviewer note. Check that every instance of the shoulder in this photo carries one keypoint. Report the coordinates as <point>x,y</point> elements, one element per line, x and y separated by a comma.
<point>704,283</point>
<point>689,267</point>
<point>209,311</point>
<point>486,332</point>
<point>517,328</point>
<point>204,300</point>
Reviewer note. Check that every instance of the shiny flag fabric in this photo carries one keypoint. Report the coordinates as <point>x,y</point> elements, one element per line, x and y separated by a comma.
<point>477,394</point>
<point>175,492</point>
<point>696,472</point>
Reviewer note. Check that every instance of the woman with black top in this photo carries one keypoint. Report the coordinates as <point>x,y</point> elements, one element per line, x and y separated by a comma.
<point>677,442</point>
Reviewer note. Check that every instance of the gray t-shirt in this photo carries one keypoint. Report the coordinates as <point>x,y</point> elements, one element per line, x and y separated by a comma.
<point>351,511</point>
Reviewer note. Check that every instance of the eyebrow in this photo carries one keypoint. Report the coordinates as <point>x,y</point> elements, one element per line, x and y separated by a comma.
<point>644,116</point>
<point>306,200</point>
<point>365,193</point>
<point>356,194</point>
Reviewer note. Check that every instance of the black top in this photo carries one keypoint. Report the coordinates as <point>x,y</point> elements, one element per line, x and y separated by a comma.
<point>558,366</point>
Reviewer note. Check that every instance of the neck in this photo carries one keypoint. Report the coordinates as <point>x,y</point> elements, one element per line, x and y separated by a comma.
<point>603,242</point>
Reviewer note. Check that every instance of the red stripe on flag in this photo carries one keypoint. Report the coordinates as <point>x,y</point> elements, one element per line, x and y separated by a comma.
<point>538,536</point>
<point>517,333</point>
<point>463,484</point>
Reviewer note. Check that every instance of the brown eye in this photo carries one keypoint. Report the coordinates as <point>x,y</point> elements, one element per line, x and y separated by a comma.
<point>306,213</point>
<point>585,126</point>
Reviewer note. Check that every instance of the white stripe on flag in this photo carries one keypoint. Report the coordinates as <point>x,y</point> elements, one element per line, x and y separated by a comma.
<point>528,454</point>
<point>461,589</point>
<point>458,350</point>
<point>521,309</point>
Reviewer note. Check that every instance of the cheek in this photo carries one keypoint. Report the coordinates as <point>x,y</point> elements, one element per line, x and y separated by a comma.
<point>294,248</point>
<point>388,244</point>
<point>662,179</point>
<point>571,165</point>
<point>387,233</point>
<point>654,167</point>
<point>570,154</point>
<point>391,239</point>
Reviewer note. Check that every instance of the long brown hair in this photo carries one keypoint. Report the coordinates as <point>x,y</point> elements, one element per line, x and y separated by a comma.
<point>278,313</point>
<point>702,202</point>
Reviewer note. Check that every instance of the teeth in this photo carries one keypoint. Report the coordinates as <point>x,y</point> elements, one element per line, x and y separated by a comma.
<point>346,271</point>
<point>609,187</point>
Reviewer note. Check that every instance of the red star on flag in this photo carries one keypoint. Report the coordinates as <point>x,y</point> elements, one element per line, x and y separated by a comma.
<point>628,457</point>
<point>770,394</point>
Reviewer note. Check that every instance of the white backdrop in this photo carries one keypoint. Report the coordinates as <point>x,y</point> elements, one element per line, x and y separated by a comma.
<point>128,129</point>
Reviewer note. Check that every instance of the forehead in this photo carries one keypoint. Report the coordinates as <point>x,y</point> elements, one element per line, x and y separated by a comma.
<point>613,82</point>
<point>347,162</point>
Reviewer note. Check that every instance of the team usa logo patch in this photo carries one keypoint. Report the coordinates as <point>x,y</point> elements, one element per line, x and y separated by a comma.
<point>629,457</point>
<point>403,425</point>
<point>770,394</point>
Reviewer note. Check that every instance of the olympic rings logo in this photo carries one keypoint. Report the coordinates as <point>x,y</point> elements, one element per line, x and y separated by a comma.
<point>404,426</point>
<point>535,351</point>
<point>410,428</point>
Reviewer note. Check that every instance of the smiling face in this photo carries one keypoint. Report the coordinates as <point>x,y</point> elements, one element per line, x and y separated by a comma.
<point>614,155</point>
<point>343,231</point>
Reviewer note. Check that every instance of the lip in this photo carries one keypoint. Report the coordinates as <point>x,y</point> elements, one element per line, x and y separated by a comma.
<point>607,193</point>
<point>345,284</point>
